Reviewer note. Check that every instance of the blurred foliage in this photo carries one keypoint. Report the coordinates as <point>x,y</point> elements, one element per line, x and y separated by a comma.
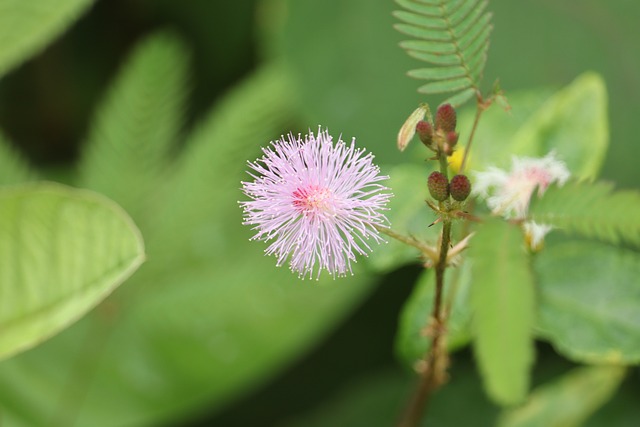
<point>195,325</point>
<point>208,318</point>
<point>502,304</point>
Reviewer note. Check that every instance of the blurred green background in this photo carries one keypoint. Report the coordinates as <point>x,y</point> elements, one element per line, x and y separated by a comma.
<point>348,74</point>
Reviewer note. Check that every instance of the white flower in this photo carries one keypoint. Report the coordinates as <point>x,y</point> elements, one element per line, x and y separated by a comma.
<point>508,193</point>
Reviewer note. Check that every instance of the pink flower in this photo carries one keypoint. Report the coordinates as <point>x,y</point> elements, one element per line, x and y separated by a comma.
<point>316,202</point>
<point>508,193</point>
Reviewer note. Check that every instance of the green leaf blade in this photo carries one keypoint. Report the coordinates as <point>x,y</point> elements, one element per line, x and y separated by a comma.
<point>438,73</point>
<point>569,401</point>
<point>422,32</point>
<point>64,250</point>
<point>421,20</point>
<point>502,299</point>
<point>574,124</point>
<point>446,86</point>
<point>588,302</point>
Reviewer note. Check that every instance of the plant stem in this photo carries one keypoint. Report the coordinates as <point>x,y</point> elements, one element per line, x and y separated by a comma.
<point>433,374</point>
<point>440,268</point>
<point>479,110</point>
<point>426,250</point>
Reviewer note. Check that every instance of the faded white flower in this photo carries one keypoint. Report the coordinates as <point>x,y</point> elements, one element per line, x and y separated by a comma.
<point>508,193</point>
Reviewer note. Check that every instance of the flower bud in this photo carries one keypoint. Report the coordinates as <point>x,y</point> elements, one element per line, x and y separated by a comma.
<point>425,132</point>
<point>452,138</point>
<point>446,118</point>
<point>438,186</point>
<point>460,187</point>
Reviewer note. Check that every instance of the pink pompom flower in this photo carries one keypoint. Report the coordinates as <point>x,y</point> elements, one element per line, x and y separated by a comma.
<point>316,202</point>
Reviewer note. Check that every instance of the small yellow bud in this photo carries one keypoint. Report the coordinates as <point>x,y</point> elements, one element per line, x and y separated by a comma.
<point>455,160</point>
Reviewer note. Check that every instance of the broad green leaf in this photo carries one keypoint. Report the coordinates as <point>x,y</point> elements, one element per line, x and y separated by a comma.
<point>137,124</point>
<point>62,251</point>
<point>409,215</point>
<point>503,305</point>
<point>412,344</point>
<point>569,401</point>
<point>28,26</point>
<point>588,305</point>
<point>574,124</point>
<point>590,209</point>
<point>13,168</point>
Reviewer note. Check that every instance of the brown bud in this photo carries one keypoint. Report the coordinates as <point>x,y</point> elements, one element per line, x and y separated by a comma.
<point>446,118</point>
<point>438,186</point>
<point>452,138</point>
<point>425,132</point>
<point>460,187</point>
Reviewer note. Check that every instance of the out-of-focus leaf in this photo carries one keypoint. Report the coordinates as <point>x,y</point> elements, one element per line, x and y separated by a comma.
<point>408,214</point>
<point>28,26</point>
<point>569,401</point>
<point>503,305</point>
<point>574,124</point>
<point>137,124</point>
<point>412,344</point>
<point>349,71</point>
<point>209,316</point>
<point>62,251</point>
<point>591,210</point>
<point>205,187</point>
<point>13,168</point>
<point>622,410</point>
<point>492,141</point>
<point>379,399</point>
<point>588,301</point>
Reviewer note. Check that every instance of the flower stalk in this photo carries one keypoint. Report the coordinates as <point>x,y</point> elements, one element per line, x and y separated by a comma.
<point>433,373</point>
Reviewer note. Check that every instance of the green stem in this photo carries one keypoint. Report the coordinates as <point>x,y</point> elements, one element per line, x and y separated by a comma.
<point>433,375</point>
<point>440,269</point>
<point>479,110</point>
<point>426,250</point>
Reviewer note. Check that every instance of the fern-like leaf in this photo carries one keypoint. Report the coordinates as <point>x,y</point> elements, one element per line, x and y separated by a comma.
<point>205,186</point>
<point>137,124</point>
<point>593,210</point>
<point>28,26</point>
<point>452,36</point>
